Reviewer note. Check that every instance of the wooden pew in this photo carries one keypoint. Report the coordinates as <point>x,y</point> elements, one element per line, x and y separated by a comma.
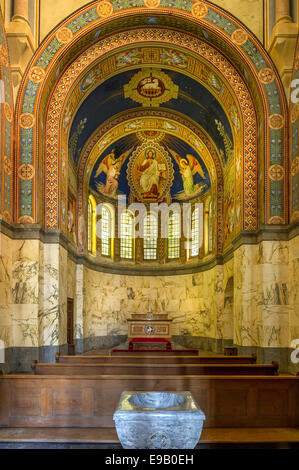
<point>135,359</point>
<point>152,369</point>
<point>155,352</point>
<point>90,401</point>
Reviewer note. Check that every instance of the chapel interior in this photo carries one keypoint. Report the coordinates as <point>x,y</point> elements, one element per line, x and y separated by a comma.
<point>186,105</point>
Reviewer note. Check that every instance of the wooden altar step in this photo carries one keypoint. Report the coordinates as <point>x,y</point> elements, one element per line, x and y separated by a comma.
<point>106,438</point>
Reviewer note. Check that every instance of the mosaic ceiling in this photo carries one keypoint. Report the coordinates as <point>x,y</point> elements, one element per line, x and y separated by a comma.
<point>151,88</point>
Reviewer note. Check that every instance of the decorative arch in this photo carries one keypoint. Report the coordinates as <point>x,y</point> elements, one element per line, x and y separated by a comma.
<point>86,26</point>
<point>294,140</point>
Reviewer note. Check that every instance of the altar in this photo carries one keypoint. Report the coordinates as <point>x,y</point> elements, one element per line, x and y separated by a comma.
<point>149,326</point>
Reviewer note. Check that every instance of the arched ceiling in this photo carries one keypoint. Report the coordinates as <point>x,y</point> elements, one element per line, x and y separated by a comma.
<point>90,32</point>
<point>119,93</point>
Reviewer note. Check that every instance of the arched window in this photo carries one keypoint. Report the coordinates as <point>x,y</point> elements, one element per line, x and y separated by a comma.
<point>127,235</point>
<point>211,226</point>
<point>174,233</point>
<point>107,230</point>
<point>150,236</point>
<point>195,232</point>
<point>92,241</point>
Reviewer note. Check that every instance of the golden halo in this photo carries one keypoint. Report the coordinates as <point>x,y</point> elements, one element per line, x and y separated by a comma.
<point>183,160</point>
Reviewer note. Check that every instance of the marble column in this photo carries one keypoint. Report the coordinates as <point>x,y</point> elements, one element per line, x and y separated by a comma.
<point>52,301</point>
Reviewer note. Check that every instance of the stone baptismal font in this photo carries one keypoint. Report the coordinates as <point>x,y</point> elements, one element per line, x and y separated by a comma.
<point>158,420</point>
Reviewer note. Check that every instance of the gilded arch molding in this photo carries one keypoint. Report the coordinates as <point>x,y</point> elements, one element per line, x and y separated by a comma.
<point>294,142</point>
<point>229,74</point>
<point>230,32</point>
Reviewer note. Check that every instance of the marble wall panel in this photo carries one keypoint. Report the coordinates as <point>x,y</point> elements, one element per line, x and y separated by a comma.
<point>49,297</point>
<point>193,301</point>
<point>294,290</point>
<point>25,325</point>
<point>25,292</point>
<point>78,306</point>
<point>63,289</point>
<point>25,271</point>
<point>262,295</point>
<point>5,290</point>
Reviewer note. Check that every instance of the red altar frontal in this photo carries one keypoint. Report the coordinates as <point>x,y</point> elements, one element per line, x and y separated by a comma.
<point>146,330</point>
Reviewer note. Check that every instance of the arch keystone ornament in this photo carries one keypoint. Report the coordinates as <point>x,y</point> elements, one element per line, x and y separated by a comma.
<point>36,74</point>
<point>27,120</point>
<point>199,10</point>
<point>239,37</point>
<point>105,9</point>
<point>64,35</point>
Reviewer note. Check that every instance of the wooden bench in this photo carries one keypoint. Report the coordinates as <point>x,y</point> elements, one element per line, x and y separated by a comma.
<point>152,369</point>
<point>165,342</point>
<point>140,359</point>
<point>155,352</point>
<point>90,401</point>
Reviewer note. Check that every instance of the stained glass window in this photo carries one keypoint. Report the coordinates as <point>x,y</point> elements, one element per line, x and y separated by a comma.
<point>211,235</point>
<point>195,232</point>
<point>126,235</point>
<point>174,229</point>
<point>150,236</point>
<point>89,221</point>
<point>106,229</point>
<point>91,225</point>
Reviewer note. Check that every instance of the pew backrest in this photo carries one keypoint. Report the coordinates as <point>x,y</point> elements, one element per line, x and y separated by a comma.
<point>151,369</point>
<point>90,401</point>
<point>135,359</point>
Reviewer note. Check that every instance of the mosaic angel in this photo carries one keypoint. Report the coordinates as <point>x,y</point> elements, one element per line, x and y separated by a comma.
<point>110,165</point>
<point>189,166</point>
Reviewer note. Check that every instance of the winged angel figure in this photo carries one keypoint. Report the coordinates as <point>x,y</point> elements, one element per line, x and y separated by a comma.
<point>110,165</point>
<point>189,166</point>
